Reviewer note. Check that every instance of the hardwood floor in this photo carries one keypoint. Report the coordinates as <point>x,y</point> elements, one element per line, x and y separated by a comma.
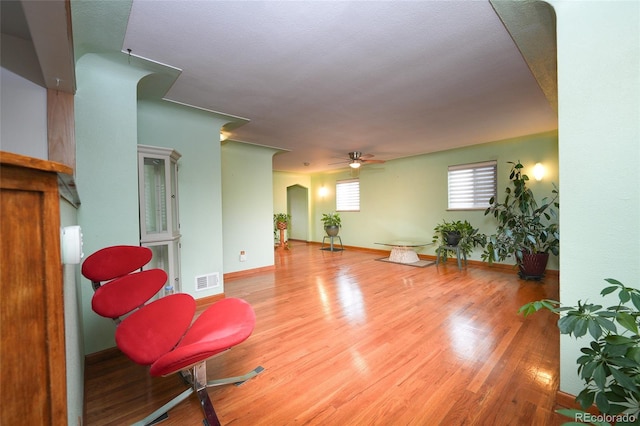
<point>348,340</point>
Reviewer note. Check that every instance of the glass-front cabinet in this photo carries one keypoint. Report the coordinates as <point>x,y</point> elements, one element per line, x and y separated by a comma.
<point>159,218</point>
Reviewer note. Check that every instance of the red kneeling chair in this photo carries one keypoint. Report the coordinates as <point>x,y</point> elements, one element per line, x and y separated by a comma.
<point>160,334</point>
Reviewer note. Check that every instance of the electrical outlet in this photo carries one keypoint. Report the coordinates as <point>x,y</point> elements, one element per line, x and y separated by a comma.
<point>243,256</point>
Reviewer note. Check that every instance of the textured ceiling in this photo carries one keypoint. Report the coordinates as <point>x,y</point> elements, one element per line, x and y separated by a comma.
<point>319,79</point>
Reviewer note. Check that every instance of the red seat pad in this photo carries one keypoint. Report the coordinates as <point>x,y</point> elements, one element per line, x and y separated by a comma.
<point>124,294</point>
<point>115,261</point>
<point>155,329</point>
<point>223,325</point>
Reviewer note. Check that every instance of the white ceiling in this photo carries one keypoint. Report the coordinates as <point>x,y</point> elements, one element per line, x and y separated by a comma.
<point>319,79</point>
<point>323,78</point>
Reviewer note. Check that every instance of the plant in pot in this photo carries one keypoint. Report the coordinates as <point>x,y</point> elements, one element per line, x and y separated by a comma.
<point>610,364</point>
<point>527,231</point>
<point>281,221</point>
<point>332,223</point>
<point>457,233</point>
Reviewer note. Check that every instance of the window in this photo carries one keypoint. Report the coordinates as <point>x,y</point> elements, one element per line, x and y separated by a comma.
<point>471,186</point>
<point>348,195</point>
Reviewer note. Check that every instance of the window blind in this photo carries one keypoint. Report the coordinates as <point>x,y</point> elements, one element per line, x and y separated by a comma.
<point>348,195</point>
<point>471,186</point>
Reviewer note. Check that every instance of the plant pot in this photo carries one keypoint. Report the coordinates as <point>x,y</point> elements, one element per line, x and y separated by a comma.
<point>533,265</point>
<point>332,231</point>
<point>281,225</point>
<point>453,238</point>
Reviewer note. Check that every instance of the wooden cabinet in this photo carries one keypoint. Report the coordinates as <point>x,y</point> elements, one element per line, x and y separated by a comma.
<point>32,351</point>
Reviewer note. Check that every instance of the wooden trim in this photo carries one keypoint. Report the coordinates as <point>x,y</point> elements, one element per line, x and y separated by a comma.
<point>248,272</point>
<point>204,301</point>
<point>475,263</point>
<point>566,400</point>
<point>12,159</point>
<point>60,127</point>
<point>103,355</point>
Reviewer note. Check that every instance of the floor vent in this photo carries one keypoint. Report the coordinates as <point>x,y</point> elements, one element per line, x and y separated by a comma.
<point>205,282</point>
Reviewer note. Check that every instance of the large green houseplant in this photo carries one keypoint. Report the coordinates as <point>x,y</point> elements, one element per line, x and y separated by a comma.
<point>610,363</point>
<point>457,233</point>
<point>527,231</point>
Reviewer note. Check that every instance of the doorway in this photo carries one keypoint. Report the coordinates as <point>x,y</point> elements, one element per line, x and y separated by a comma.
<point>298,208</point>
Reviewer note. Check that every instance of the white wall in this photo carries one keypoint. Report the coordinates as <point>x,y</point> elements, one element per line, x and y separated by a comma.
<point>23,111</point>
<point>599,151</point>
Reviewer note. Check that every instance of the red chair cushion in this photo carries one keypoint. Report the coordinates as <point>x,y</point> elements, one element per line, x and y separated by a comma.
<point>116,261</point>
<point>124,294</point>
<point>153,330</point>
<point>221,326</point>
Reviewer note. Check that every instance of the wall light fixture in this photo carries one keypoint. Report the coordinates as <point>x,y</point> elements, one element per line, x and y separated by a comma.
<point>538,171</point>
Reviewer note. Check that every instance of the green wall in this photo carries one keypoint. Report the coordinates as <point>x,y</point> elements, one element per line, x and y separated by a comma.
<point>247,208</point>
<point>107,170</point>
<point>599,145</point>
<point>196,135</point>
<point>405,199</point>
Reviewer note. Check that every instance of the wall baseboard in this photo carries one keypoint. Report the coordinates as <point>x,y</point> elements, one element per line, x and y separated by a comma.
<point>566,400</point>
<point>102,355</point>
<point>248,272</point>
<point>207,300</point>
<point>470,262</point>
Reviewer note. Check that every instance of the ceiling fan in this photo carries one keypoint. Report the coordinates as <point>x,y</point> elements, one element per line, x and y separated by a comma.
<point>357,159</point>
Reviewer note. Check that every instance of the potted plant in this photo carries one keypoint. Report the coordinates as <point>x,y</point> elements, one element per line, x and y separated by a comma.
<point>526,230</point>
<point>457,233</point>
<point>332,223</point>
<point>281,221</point>
<point>610,363</point>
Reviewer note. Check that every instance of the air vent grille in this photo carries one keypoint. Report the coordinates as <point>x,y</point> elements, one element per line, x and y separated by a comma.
<point>206,282</point>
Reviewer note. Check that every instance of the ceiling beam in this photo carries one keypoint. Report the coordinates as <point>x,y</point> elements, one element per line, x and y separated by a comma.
<point>532,26</point>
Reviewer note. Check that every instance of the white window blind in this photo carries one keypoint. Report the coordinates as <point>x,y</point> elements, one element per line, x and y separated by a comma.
<point>471,186</point>
<point>348,195</point>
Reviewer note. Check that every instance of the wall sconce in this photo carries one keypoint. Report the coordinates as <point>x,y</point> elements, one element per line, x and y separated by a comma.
<point>224,136</point>
<point>323,191</point>
<point>538,171</point>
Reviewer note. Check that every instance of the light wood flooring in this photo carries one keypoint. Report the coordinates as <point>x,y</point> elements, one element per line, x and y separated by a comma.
<point>348,340</point>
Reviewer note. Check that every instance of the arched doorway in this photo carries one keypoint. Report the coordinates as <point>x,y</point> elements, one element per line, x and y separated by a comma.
<point>298,208</point>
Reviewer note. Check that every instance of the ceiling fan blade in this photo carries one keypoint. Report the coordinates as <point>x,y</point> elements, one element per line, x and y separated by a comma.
<point>373,161</point>
<point>340,162</point>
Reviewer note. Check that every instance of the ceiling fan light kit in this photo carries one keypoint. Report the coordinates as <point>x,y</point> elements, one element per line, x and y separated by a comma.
<point>357,159</point>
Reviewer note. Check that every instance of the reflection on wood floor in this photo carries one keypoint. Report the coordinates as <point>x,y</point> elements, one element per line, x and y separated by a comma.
<point>347,340</point>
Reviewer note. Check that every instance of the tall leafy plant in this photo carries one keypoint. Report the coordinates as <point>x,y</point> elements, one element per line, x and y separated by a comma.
<point>610,363</point>
<point>524,227</point>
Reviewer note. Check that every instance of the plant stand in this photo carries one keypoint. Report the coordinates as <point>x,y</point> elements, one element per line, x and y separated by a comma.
<point>281,227</point>
<point>331,246</point>
<point>452,248</point>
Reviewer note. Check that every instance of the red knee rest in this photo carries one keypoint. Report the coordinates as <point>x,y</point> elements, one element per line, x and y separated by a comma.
<point>115,261</point>
<point>155,329</point>
<point>220,327</point>
<point>124,294</point>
